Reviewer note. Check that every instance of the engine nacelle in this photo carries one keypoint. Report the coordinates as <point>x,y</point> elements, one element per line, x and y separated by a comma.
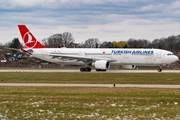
<point>129,66</point>
<point>102,64</point>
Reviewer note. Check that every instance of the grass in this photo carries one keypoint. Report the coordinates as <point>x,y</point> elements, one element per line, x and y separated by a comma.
<point>88,103</point>
<point>71,103</point>
<point>95,78</point>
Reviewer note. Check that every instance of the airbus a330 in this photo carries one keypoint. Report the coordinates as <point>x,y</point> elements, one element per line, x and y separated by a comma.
<point>100,58</point>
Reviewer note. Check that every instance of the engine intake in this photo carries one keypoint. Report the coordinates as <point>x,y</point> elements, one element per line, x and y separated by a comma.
<point>102,64</point>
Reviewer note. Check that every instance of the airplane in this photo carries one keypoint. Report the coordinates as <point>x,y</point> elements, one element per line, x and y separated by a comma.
<point>100,58</point>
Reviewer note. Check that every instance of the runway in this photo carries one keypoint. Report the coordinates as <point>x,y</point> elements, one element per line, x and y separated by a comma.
<point>93,71</point>
<point>91,85</point>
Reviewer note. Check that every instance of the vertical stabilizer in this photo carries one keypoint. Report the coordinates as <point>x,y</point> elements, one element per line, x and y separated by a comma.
<point>29,40</point>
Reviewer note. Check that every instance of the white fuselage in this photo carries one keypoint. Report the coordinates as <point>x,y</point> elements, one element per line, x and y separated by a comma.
<point>141,57</point>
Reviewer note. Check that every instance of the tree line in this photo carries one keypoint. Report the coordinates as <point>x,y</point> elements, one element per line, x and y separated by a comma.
<point>171,43</point>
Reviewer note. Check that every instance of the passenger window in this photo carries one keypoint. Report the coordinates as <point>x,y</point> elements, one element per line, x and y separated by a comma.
<point>170,54</point>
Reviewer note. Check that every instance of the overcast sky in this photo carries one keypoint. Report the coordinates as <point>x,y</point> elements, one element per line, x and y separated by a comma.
<point>107,20</point>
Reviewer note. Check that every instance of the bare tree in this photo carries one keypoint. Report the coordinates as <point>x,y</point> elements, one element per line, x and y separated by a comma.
<point>67,38</point>
<point>140,43</point>
<point>74,45</point>
<point>92,43</point>
<point>59,40</point>
<point>105,44</point>
<point>171,42</point>
<point>53,41</point>
<point>156,44</point>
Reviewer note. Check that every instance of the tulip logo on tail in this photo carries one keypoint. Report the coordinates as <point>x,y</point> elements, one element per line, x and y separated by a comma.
<point>29,40</point>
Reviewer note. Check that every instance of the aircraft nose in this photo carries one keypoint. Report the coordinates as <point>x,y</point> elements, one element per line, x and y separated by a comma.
<point>177,59</point>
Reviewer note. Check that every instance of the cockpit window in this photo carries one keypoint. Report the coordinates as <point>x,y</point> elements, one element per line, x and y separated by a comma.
<point>170,54</point>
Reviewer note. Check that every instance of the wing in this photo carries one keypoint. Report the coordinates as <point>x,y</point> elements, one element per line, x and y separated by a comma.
<point>81,58</point>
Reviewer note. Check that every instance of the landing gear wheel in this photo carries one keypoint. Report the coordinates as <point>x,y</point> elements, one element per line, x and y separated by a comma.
<point>82,69</point>
<point>97,70</point>
<point>88,69</point>
<point>85,69</point>
<point>159,70</point>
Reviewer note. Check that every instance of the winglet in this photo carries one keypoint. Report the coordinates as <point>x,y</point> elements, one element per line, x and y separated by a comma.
<point>29,40</point>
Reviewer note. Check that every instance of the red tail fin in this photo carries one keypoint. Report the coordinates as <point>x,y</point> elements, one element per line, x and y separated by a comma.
<point>28,38</point>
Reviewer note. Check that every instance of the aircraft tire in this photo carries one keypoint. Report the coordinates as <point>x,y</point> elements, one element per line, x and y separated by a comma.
<point>159,70</point>
<point>85,69</point>
<point>82,69</point>
<point>97,70</point>
<point>88,69</point>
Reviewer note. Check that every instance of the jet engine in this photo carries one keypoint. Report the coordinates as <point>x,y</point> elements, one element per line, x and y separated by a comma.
<point>129,66</point>
<point>102,65</point>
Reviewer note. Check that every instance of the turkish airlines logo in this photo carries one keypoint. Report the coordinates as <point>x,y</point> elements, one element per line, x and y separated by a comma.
<point>29,40</point>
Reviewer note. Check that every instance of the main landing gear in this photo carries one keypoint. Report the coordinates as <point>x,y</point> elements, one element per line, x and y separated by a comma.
<point>85,69</point>
<point>159,69</point>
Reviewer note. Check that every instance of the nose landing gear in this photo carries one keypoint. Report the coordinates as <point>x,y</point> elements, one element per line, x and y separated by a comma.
<point>159,69</point>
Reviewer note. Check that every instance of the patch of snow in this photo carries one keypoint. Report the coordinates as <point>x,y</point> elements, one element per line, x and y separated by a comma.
<point>154,114</point>
<point>85,104</point>
<point>103,116</point>
<point>5,102</point>
<point>98,110</point>
<point>147,108</point>
<point>50,112</point>
<point>117,117</point>
<point>113,104</point>
<point>92,104</point>
<point>120,105</point>
<point>41,110</point>
<point>96,114</point>
<point>175,103</point>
